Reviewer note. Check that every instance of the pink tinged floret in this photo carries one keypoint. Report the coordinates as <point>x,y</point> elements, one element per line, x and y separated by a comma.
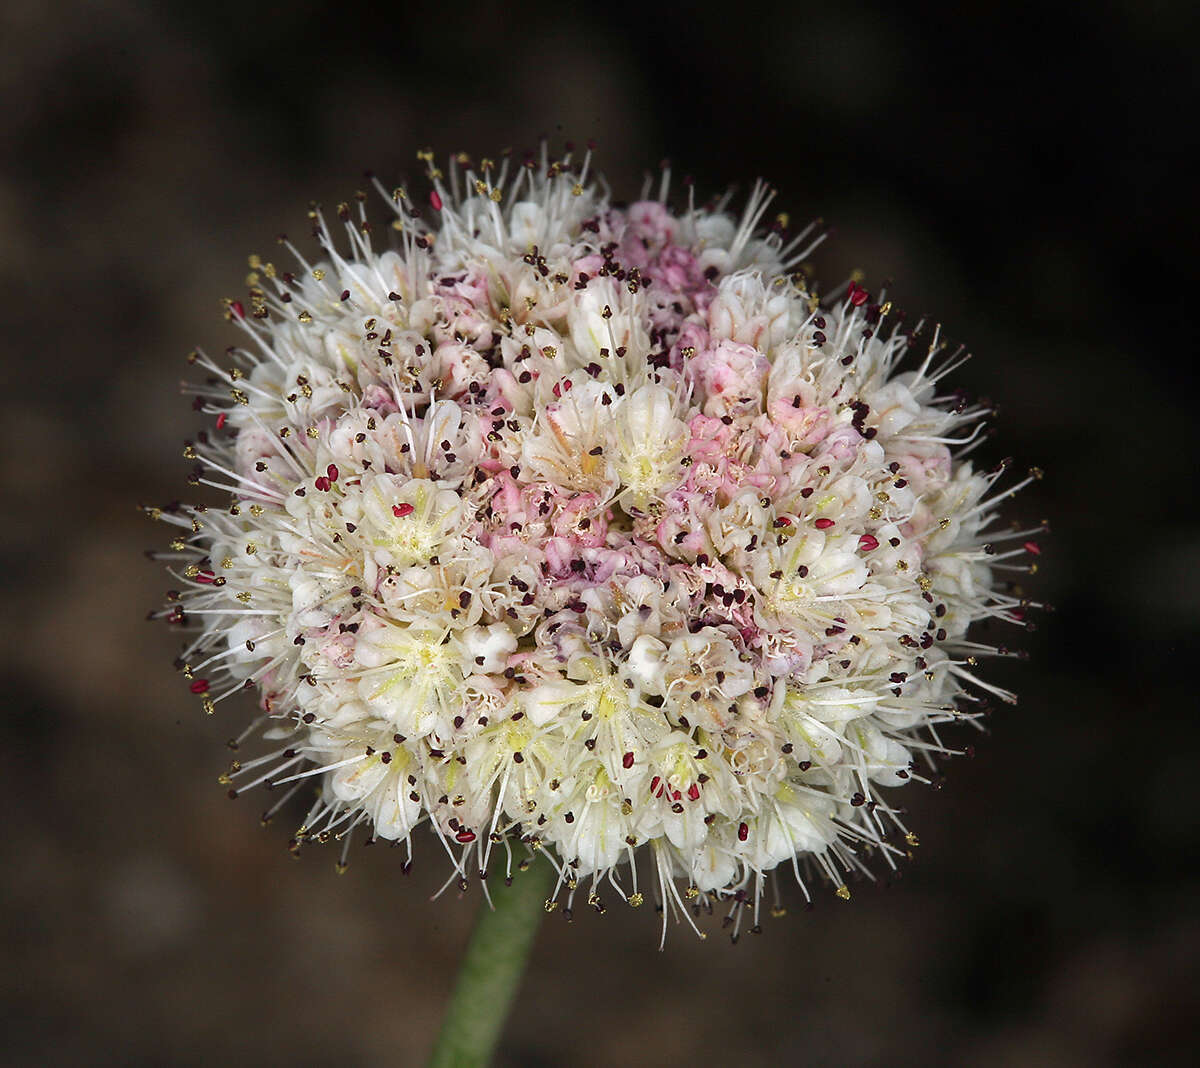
<point>677,269</point>
<point>794,408</point>
<point>253,445</point>
<point>457,367</point>
<point>379,399</point>
<point>586,268</point>
<point>508,504</point>
<point>926,467</point>
<point>506,387</point>
<point>559,554</point>
<point>585,508</point>
<point>692,338</point>
<point>731,376</point>
<point>651,221</point>
<point>710,438</point>
<point>648,227</point>
<point>840,448</point>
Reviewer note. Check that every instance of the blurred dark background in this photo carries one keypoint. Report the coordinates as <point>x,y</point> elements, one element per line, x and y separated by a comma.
<point>1019,173</point>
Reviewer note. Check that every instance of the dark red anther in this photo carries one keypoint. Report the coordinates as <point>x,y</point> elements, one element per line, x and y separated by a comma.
<point>783,521</point>
<point>237,309</point>
<point>627,760</point>
<point>1033,547</point>
<point>868,543</point>
<point>199,686</point>
<point>435,200</point>
<point>322,483</point>
<point>743,831</point>
<point>823,524</point>
<point>655,786</point>
<point>221,420</point>
<point>465,836</point>
<point>693,792</point>
<point>205,576</point>
<point>402,510</point>
<point>332,472</point>
<point>858,296</point>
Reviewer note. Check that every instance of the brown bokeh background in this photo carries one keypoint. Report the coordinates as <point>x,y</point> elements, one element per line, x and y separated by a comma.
<point>1019,174</point>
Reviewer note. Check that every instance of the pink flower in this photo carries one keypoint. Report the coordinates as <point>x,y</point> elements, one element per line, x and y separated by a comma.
<point>730,377</point>
<point>649,222</point>
<point>678,269</point>
<point>805,420</point>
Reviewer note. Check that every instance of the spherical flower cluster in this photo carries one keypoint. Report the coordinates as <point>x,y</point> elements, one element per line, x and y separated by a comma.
<point>586,529</point>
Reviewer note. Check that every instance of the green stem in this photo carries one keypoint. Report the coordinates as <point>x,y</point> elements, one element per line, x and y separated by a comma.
<point>491,969</point>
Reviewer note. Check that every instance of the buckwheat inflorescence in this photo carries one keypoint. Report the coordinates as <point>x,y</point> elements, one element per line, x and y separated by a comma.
<point>588,529</point>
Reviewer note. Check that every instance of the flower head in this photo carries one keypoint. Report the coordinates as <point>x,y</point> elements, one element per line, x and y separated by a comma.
<point>568,527</point>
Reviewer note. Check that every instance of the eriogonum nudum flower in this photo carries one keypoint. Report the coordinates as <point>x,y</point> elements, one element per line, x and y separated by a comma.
<point>565,526</point>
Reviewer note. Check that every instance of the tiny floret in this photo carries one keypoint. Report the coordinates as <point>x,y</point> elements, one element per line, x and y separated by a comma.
<point>563,527</point>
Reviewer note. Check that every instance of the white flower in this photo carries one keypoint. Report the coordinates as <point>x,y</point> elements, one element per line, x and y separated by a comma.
<point>567,527</point>
<point>648,443</point>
